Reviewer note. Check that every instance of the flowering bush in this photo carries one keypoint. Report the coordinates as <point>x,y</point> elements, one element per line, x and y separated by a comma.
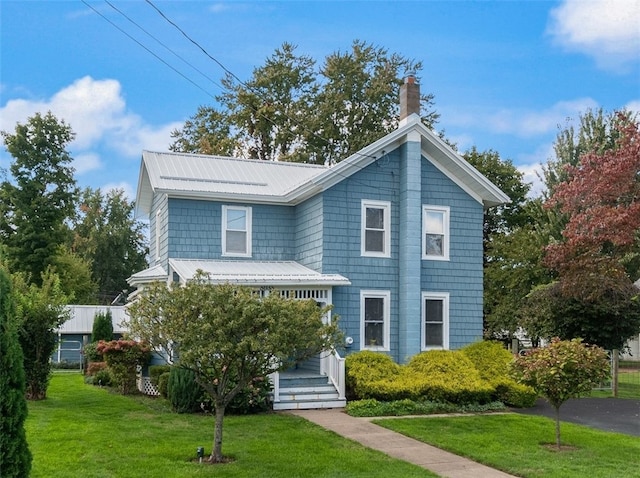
<point>122,357</point>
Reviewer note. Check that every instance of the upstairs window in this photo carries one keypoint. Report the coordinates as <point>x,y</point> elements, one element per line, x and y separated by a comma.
<point>236,231</point>
<point>376,228</point>
<point>435,320</point>
<point>435,233</point>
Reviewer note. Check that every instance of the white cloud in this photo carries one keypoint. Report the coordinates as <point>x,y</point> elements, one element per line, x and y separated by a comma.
<point>608,30</point>
<point>85,162</point>
<point>533,123</point>
<point>633,106</point>
<point>96,111</point>
<point>128,189</point>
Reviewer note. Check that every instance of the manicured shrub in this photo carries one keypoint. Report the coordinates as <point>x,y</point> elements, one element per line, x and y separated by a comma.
<point>183,392</point>
<point>103,378</point>
<point>490,358</point>
<point>91,353</point>
<point>365,367</point>
<point>254,398</point>
<point>95,367</point>
<point>515,394</point>
<point>155,371</point>
<point>123,357</point>
<point>163,381</point>
<point>102,327</point>
<point>375,408</point>
<point>493,362</point>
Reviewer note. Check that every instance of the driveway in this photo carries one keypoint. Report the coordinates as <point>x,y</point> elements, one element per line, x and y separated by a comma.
<point>610,414</point>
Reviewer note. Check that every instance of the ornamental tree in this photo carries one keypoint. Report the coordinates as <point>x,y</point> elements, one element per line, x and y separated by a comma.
<point>228,335</point>
<point>41,310</point>
<point>123,357</point>
<point>562,370</point>
<point>601,199</point>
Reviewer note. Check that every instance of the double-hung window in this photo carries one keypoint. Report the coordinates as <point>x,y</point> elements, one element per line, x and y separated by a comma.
<point>435,233</point>
<point>435,320</point>
<point>374,319</point>
<point>376,228</point>
<point>236,231</point>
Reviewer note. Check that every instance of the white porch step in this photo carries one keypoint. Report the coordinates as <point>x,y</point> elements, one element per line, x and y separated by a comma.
<point>327,392</point>
<point>310,405</point>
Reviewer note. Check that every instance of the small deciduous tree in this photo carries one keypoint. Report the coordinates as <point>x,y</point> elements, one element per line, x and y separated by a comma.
<point>562,370</point>
<point>41,311</point>
<point>15,457</point>
<point>229,335</point>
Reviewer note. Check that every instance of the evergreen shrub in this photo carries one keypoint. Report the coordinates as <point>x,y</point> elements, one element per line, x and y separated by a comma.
<point>102,327</point>
<point>365,367</point>
<point>183,392</point>
<point>493,362</point>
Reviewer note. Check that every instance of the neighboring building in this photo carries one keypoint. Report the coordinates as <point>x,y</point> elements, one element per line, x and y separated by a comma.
<point>76,331</point>
<point>391,236</point>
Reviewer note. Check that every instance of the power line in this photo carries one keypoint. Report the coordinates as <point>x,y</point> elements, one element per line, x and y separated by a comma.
<point>233,75</point>
<point>162,44</point>
<point>148,50</point>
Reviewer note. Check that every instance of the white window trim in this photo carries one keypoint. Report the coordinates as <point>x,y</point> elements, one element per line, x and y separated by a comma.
<point>386,327</point>
<point>447,232</point>
<point>386,207</point>
<point>444,296</point>
<point>247,211</point>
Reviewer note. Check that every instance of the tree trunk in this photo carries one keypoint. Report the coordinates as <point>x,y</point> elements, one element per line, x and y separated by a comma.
<point>216,454</point>
<point>558,427</point>
<point>614,371</point>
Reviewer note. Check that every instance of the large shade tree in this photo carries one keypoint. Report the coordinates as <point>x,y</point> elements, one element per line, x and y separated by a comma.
<point>106,235</point>
<point>292,110</point>
<point>229,335</point>
<point>38,198</point>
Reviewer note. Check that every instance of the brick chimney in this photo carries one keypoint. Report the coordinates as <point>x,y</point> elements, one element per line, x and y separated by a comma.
<point>409,96</point>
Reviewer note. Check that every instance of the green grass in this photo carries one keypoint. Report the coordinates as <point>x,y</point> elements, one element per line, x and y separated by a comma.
<point>514,443</point>
<point>628,385</point>
<point>87,432</point>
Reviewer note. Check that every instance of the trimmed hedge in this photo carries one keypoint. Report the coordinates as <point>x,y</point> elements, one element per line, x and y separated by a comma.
<point>438,376</point>
<point>492,361</point>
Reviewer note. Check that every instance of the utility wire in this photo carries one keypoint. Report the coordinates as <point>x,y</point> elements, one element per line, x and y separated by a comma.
<point>148,50</point>
<point>233,75</point>
<point>162,44</point>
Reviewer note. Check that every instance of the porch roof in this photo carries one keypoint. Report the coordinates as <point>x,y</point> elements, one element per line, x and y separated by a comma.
<point>256,273</point>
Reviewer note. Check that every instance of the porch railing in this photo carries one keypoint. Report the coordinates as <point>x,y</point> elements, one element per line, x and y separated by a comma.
<point>332,365</point>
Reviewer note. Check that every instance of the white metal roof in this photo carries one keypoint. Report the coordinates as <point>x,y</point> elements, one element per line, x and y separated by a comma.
<point>81,318</point>
<point>151,274</point>
<point>256,273</point>
<point>243,180</point>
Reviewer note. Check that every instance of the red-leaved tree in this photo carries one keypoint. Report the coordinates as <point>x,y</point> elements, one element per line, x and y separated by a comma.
<point>602,202</point>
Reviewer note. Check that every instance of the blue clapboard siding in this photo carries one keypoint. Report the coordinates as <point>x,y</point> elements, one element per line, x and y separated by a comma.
<point>342,230</point>
<point>195,230</point>
<point>461,276</point>
<point>309,225</point>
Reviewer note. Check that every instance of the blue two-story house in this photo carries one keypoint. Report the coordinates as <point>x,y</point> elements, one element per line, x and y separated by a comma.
<point>391,236</point>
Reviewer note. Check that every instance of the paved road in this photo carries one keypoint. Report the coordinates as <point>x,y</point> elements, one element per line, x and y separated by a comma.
<point>610,414</point>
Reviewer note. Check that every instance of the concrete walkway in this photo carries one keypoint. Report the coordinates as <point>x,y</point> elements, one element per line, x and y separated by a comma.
<point>399,446</point>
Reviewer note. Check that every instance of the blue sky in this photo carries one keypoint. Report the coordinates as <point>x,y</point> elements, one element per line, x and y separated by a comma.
<point>505,74</point>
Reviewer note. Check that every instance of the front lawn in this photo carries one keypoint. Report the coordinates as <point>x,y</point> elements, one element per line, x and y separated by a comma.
<point>514,443</point>
<point>87,432</point>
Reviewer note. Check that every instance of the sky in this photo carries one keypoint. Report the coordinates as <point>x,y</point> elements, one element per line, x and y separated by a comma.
<point>507,76</point>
